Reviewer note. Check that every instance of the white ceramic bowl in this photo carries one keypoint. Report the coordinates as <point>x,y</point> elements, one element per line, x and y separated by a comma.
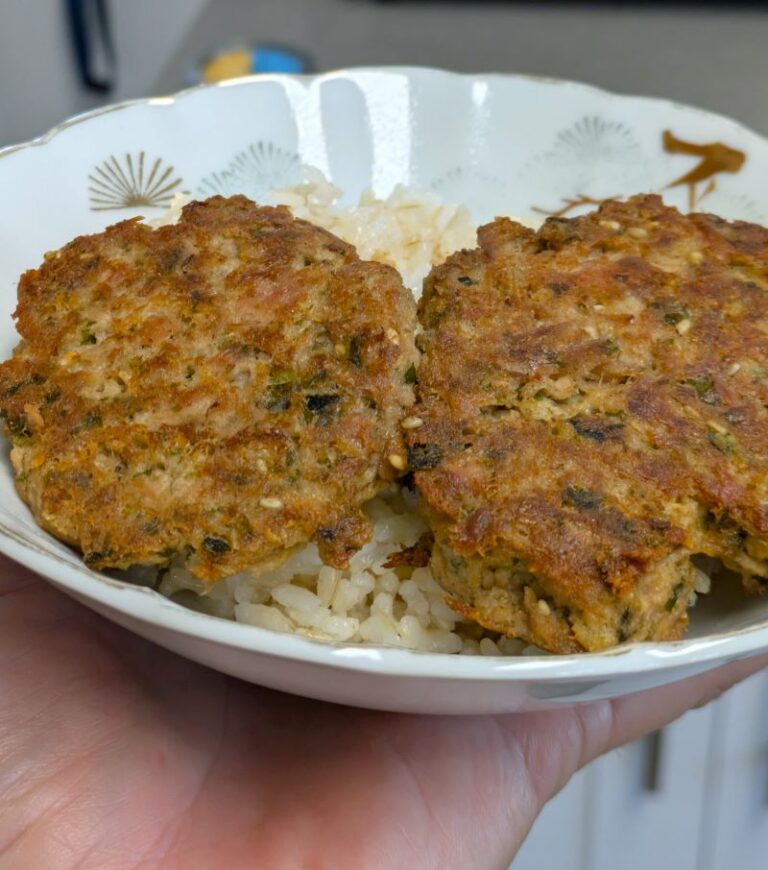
<point>503,144</point>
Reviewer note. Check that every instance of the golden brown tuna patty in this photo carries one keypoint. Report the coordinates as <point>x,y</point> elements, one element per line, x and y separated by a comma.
<point>594,399</point>
<point>226,388</point>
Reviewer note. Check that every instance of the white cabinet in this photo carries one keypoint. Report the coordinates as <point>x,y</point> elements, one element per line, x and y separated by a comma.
<point>37,58</point>
<point>695,798</point>
<point>648,799</point>
<point>736,808</point>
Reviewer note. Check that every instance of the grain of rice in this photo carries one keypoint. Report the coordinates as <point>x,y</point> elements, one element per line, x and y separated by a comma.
<point>488,647</point>
<point>296,598</point>
<point>327,580</point>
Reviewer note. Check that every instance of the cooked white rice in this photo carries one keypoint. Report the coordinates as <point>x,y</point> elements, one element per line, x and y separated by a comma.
<point>367,603</point>
<point>409,230</point>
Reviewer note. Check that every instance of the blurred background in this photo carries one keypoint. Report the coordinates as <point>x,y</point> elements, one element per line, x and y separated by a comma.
<point>694,797</point>
<point>60,57</point>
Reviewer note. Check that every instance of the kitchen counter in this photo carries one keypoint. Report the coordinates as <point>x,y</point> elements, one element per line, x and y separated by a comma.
<point>707,55</point>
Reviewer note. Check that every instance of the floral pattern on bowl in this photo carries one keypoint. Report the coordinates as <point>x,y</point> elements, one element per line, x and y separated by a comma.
<point>258,169</point>
<point>132,181</point>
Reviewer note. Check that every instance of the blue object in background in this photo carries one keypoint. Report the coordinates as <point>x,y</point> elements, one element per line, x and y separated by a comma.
<point>266,59</point>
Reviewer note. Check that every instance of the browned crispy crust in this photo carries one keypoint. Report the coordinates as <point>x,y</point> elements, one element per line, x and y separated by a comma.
<point>226,389</point>
<point>417,556</point>
<point>595,407</point>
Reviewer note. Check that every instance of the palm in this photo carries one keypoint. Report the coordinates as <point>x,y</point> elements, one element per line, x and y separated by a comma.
<point>114,753</point>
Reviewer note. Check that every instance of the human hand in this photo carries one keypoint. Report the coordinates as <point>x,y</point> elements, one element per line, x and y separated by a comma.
<point>117,754</point>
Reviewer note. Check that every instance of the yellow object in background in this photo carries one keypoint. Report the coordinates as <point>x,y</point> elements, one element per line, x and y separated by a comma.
<point>228,65</point>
